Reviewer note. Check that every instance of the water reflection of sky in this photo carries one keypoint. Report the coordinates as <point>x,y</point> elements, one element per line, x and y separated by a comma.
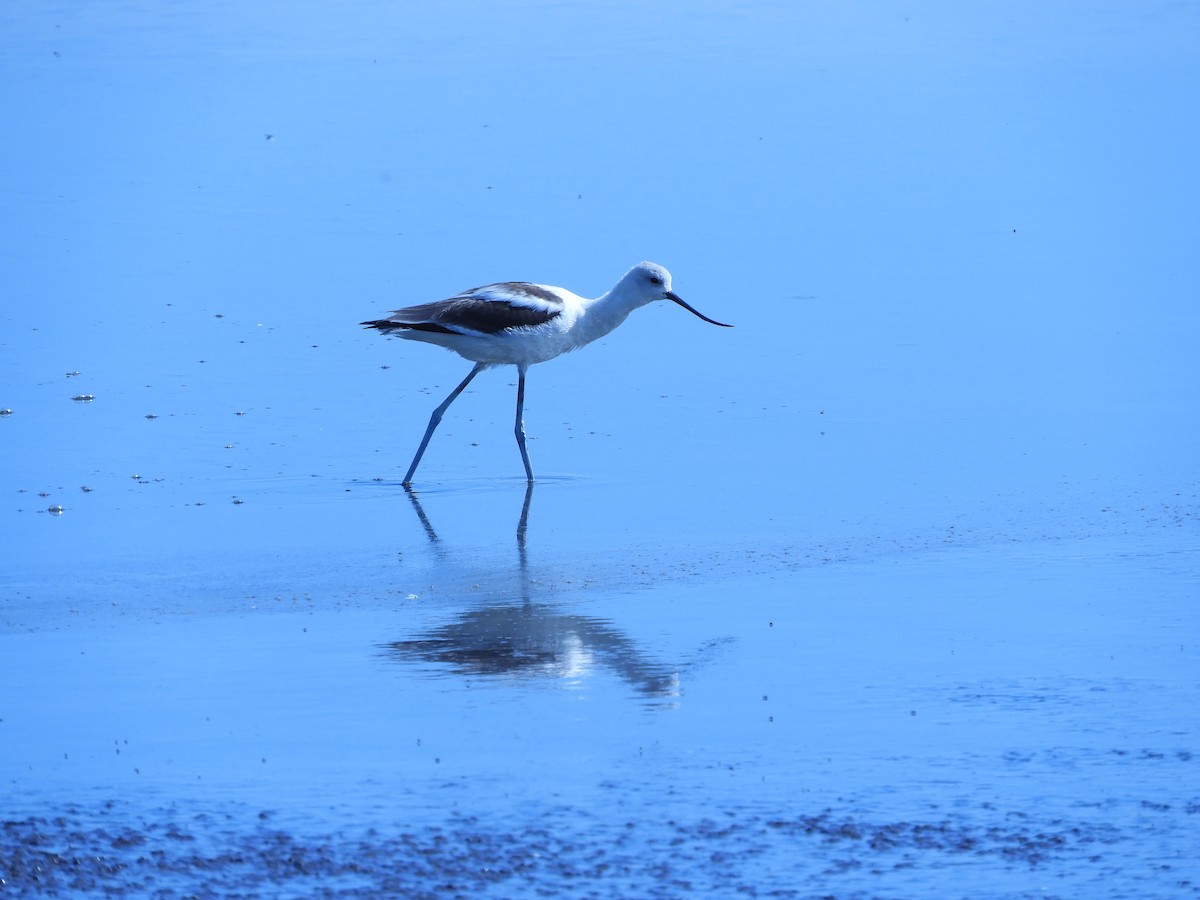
<point>915,536</point>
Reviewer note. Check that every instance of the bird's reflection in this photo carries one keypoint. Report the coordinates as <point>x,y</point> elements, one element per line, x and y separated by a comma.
<point>532,638</point>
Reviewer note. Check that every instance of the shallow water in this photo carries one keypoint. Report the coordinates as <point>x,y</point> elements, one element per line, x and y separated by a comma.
<point>889,591</point>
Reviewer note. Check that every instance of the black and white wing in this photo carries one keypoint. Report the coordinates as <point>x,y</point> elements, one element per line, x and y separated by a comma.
<point>490,309</point>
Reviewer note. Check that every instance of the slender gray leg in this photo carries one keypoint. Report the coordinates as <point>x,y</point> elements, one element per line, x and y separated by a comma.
<point>437,417</point>
<point>519,430</point>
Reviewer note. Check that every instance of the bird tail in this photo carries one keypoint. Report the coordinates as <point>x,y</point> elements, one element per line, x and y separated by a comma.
<point>382,324</point>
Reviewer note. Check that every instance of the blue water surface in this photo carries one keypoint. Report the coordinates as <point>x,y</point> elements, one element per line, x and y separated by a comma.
<point>889,591</point>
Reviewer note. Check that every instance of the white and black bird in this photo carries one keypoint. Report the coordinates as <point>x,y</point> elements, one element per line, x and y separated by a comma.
<point>516,323</point>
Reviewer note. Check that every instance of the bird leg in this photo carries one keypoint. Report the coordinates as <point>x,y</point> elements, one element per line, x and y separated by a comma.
<point>437,417</point>
<point>519,429</point>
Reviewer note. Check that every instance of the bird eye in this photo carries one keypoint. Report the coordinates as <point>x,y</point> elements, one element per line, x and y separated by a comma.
<point>656,279</point>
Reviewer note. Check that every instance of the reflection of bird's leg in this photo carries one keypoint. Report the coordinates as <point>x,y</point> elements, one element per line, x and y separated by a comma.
<point>522,554</point>
<point>425,523</point>
<point>437,417</point>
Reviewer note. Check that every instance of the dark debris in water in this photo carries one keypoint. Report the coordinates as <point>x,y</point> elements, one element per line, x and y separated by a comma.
<point>1031,846</point>
<point>109,852</point>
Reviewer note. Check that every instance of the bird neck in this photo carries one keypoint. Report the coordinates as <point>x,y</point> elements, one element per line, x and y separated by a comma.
<point>602,315</point>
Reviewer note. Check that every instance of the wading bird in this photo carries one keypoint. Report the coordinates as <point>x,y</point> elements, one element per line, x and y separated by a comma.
<point>516,323</point>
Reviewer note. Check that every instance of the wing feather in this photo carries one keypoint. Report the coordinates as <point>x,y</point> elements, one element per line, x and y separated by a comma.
<point>483,310</point>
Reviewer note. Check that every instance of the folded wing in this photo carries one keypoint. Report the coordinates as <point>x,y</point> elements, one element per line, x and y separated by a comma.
<point>483,310</point>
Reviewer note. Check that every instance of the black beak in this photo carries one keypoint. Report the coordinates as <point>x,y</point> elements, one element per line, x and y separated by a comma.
<point>671,295</point>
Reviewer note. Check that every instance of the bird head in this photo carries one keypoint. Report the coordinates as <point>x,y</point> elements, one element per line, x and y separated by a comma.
<point>654,283</point>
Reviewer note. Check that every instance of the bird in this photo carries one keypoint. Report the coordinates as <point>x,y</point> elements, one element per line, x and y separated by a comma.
<point>519,323</point>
